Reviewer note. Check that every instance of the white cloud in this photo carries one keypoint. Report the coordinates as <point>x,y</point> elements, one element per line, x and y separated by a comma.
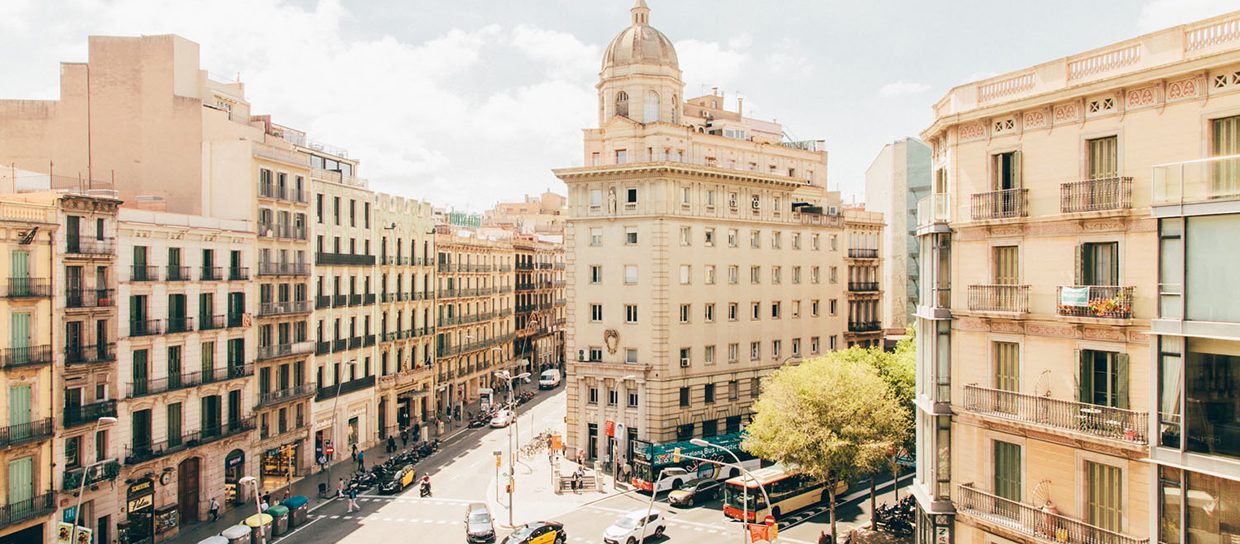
<point>788,61</point>
<point>711,64</point>
<point>1159,14</point>
<point>902,88</point>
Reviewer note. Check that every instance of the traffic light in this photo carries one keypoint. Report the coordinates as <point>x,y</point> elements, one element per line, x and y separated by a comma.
<point>676,455</point>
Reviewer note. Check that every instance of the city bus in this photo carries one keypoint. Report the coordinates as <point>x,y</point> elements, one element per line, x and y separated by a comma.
<point>650,459</point>
<point>788,489</point>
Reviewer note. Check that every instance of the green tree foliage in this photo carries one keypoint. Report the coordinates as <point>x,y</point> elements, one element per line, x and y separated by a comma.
<point>833,417</point>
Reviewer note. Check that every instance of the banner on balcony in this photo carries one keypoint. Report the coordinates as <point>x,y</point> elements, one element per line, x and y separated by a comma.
<point>1074,296</point>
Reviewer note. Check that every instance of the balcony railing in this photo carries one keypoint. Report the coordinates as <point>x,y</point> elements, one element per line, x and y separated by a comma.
<point>934,209</point>
<point>236,320</point>
<point>344,259</point>
<point>340,301</point>
<point>25,356</point>
<point>19,511</point>
<point>179,324</point>
<point>283,269</point>
<point>26,432</point>
<point>104,472</point>
<point>145,327</point>
<point>864,326</point>
<point>999,298</point>
<point>276,230</point>
<point>88,413</point>
<point>1102,301</point>
<point>862,253</point>
<point>1205,180</point>
<point>271,398</point>
<point>862,286</point>
<point>322,348</point>
<point>188,380</point>
<point>355,300</point>
<point>27,287</point>
<point>345,388</point>
<point>90,354</point>
<point>1035,521</point>
<point>143,273</point>
<point>89,298</point>
<point>1095,195</point>
<point>212,322</point>
<point>211,273</point>
<point>285,350</point>
<point>140,452</point>
<point>90,246</point>
<point>1004,204</point>
<point>177,273</point>
<point>238,273</point>
<point>283,308</point>
<point>1064,415</point>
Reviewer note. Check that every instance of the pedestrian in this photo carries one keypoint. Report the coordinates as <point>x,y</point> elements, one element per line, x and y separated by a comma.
<point>215,509</point>
<point>417,432</point>
<point>404,438</point>
<point>361,461</point>
<point>550,456</point>
<point>391,447</point>
<point>266,500</point>
<point>577,480</point>
<point>340,489</point>
<point>354,454</point>
<point>353,500</point>
<point>263,505</point>
<point>286,495</point>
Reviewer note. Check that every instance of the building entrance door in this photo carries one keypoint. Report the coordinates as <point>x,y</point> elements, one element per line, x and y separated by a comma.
<point>187,489</point>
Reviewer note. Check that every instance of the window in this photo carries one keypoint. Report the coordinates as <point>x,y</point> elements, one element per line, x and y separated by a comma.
<point>630,235</point>
<point>777,348</point>
<point>596,198</point>
<point>796,240</point>
<point>622,156</point>
<point>833,307</point>
<point>684,356</point>
<point>733,352</point>
<point>596,274</point>
<point>813,308</point>
<point>796,309</point>
<point>814,242</point>
<point>686,236</point>
<point>833,342</point>
<point>834,276</point>
<point>686,196</point>
<point>1103,378</point>
<point>1007,367</point>
<point>777,274</point>
<point>708,355</point>
<point>813,274</point>
<point>684,313</point>
<point>709,313</point>
<point>755,239</point>
<point>732,237</point>
<point>1104,496</point>
<point>756,311</point>
<point>734,390</point>
<point>630,356</point>
<point>613,397</point>
<point>684,397</point>
<point>684,432</point>
<point>710,393</point>
<point>734,273</point>
<point>1007,476</point>
<point>710,274</point>
<point>630,313</point>
<point>755,387</point>
<point>813,345</point>
<point>1097,264</point>
<point>755,351</point>
<point>796,275</point>
<point>835,242</point>
<point>710,199</point>
<point>596,312</point>
<point>73,451</point>
<point>596,236</point>
<point>593,399</point>
<point>709,241</point>
<point>686,273</point>
<point>630,195</point>
<point>755,274</point>
<point>777,239</point>
<point>632,399</point>
<point>1103,157</point>
<point>630,274</point>
<point>1006,174</point>
<point>732,310</point>
<point>776,310</point>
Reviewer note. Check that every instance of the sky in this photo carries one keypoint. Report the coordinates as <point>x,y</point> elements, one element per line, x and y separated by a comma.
<point>469,102</point>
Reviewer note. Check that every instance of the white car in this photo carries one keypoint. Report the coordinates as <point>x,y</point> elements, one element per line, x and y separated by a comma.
<point>502,418</point>
<point>633,526</point>
<point>549,379</point>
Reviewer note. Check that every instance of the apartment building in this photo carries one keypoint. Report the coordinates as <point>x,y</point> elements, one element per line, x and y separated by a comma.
<point>897,178</point>
<point>864,233</point>
<point>405,232</point>
<point>185,381</point>
<point>474,323</point>
<point>539,302</point>
<point>1046,333</point>
<point>345,411</point>
<point>542,214</point>
<point>679,205</point>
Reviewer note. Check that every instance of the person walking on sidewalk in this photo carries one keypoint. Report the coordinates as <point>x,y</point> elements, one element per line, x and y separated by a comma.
<point>340,489</point>
<point>404,438</point>
<point>391,447</point>
<point>361,461</point>
<point>354,452</point>
<point>353,500</point>
<point>215,509</point>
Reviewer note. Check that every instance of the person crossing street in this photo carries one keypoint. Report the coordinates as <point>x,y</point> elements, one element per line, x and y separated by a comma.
<point>353,499</point>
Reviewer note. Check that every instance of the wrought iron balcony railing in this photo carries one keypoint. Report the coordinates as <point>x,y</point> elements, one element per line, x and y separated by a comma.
<point>863,253</point>
<point>21,433</point>
<point>862,286</point>
<point>13,512</point>
<point>345,388</point>
<point>1095,195</point>
<point>90,246</point>
<point>238,273</point>
<point>177,273</point>
<point>1035,521</point>
<point>1101,301</point>
<point>90,354</point>
<point>999,298</point>
<point>25,356</point>
<point>143,273</point>
<point>27,287</point>
<point>103,472</point>
<point>1064,415</point>
<point>864,326</point>
<point>1005,204</point>
<point>285,350</point>
<point>89,298</point>
<point>290,394</point>
<point>88,413</point>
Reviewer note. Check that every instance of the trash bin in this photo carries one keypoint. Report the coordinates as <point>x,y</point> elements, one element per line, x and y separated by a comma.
<point>217,539</point>
<point>237,534</point>
<point>279,519</point>
<point>260,525</point>
<point>298,509</point>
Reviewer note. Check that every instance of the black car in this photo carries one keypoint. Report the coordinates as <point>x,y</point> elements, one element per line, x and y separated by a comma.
<point>479,527</point>
<point>398,479</point>
<point>695,491</point>
<point>538,532</point>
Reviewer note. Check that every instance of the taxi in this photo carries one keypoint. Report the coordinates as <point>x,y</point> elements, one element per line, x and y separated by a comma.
<point>538,532</point>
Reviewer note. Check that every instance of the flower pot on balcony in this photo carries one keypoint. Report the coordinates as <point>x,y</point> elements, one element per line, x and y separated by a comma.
<point>1130,434</point>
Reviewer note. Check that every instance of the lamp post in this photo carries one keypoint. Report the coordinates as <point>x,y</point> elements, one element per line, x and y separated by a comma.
<point>257,508</point>
<point>654,491</point>
<point>745,487</point>
<point>77,510</point>
<point>512,468</point>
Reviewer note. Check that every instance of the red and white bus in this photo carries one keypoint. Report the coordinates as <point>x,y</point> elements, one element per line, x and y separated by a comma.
<point>788,489</point>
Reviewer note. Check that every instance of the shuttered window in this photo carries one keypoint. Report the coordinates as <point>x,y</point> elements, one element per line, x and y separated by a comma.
<point>21,487</point>
<point>1225,176</point>
<point>1097,263</point>
<point>1007,469</point>
<point>1007,366</point>
<point>1103,378</point>
<point>1104,496</point>
<point>1007,265</point>
<point>1103,157</point>
<point>1007,171</point>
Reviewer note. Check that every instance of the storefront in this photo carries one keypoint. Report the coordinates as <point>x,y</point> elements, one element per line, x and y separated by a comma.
<point>234,470</point>
<point>279,466</point>
<point>139,524</point>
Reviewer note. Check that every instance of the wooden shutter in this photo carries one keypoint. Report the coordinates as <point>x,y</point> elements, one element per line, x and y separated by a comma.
<point>1225,175</point>
<point>1104,487</point>
<point>1079,265</point>
<point>1085,382</point>
<point>1121,380</point>
<point>21,486</point>
<point>1015,165</point>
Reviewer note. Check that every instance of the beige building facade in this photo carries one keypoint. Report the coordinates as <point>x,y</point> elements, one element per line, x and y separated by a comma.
<point>1037,369</point>
<point>539,303</point>
<point>864,234</point>
<point>542,214</point>
<point>680,203</point>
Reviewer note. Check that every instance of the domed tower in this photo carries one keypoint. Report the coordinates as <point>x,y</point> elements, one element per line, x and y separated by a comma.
<point>641,75</point>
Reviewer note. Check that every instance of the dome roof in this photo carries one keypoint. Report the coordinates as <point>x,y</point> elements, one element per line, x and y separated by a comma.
<point>640,43</point>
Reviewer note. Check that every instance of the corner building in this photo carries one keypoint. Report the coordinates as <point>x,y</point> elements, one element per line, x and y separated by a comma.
<point>679,205</point>
<point>1075,331</point>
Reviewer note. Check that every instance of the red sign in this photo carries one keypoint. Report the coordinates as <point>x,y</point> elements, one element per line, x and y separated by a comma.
<point>328,450</point>
<point>769,521</point>
<point>611,428</point>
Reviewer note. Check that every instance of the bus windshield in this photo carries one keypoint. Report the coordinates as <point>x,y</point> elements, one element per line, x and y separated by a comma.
<point>736,497</point>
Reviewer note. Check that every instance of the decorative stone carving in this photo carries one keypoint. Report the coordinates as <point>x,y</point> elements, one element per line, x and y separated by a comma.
<point>1043,329</point>
<point>972,131</point>
<point>1185,89</point>
<point>1099,226</point>
<point>971,324</point>
<point>1005,326</point>
<point>1066,113</point>
<point>1037,119</point>
<point>1106,334</point>
<point>1143,97</point>
<point>1139,337</point>
<point>611,337</point>
<point>1007,230</point>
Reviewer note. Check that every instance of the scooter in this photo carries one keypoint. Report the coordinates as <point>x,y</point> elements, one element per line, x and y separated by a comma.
<point>426,490</point>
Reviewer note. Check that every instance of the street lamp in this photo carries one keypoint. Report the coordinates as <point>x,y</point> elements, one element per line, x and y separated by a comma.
<point>512,464</point>
<point>744,483</point>
<point>77,510</point>
<point>254,482</point>
<point>654,491</point>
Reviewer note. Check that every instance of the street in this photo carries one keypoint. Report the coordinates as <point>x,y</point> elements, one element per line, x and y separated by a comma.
<point>463,471</point>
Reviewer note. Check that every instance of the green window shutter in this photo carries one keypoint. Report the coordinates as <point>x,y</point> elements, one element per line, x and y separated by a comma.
<point>21,486</point>
<point>1085,380</point>
<point>1016,169</point>
<point>1121,380</point>
<point>19,411</point>
<point>1080,265</point>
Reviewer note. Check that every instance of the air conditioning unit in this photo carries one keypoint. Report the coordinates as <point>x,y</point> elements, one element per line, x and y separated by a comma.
<point>581,355</point>
<point>684,363</point>
<point>833,211</point>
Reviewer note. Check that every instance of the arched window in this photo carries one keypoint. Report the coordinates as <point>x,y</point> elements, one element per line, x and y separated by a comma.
<point>675,109</point>
<point>651,114</point>
<point>622,103</point>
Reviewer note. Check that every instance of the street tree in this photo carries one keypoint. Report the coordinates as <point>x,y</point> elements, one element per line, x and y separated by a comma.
<point>832,418</point>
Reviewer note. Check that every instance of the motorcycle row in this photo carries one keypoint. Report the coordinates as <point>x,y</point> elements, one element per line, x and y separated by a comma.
<point>897,519</point>
<point>483,418</point>
<point>396,473</point>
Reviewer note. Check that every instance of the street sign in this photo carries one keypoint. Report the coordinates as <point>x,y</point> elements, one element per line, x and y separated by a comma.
<point>769,521</point>
<point>328,450</point>
<point>611,428</point>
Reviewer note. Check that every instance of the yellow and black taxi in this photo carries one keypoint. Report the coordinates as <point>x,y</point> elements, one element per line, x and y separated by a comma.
<point>538,532</point>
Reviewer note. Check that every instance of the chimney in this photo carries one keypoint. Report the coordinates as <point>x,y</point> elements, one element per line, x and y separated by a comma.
<point>740,106</point>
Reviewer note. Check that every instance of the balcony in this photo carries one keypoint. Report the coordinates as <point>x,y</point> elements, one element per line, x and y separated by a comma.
<point>280,396</point>
<point>142,452</point>
<point>340,301</point>
<point>1006,204</point>
<point>1062,415</point>
<point>1095,195</point>
<point>35,431</point>
<point>90,247</point>
<point>26,287</point>
<point>90,354</point>
<point>283,231</point>
<point>862,286</point>
<point>1095,301</point>
<point>864,326</point>
<point>179,324</point>
<point>344,259</point>
<point>355,342</point>
<point>1034,521</point>
<point>355,300</point>
<point>212,322</point>
<point>211,273</point>
<point>999,298</point>
<point>345,388</point>
<point>16,512</point>
<point>283,269</point>
<point>186,381</point>
<point>143,273</point>
<point>236,320</point>
<point>284,350</point>
<point>339,345</point>
<point>368,340</point>
<point>89,298</point>
<point>1190,182</point>
<point>104,472</point>
<point>322,302</point>
<point>368,299</point>
<point>177,273</point>
<point>25,356</point>
<point>284,308</point>
<point>88,413</point>
<point>862,253</point>
<point>238,273</point>
<point>322,348</point>
<point>934,209</point>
